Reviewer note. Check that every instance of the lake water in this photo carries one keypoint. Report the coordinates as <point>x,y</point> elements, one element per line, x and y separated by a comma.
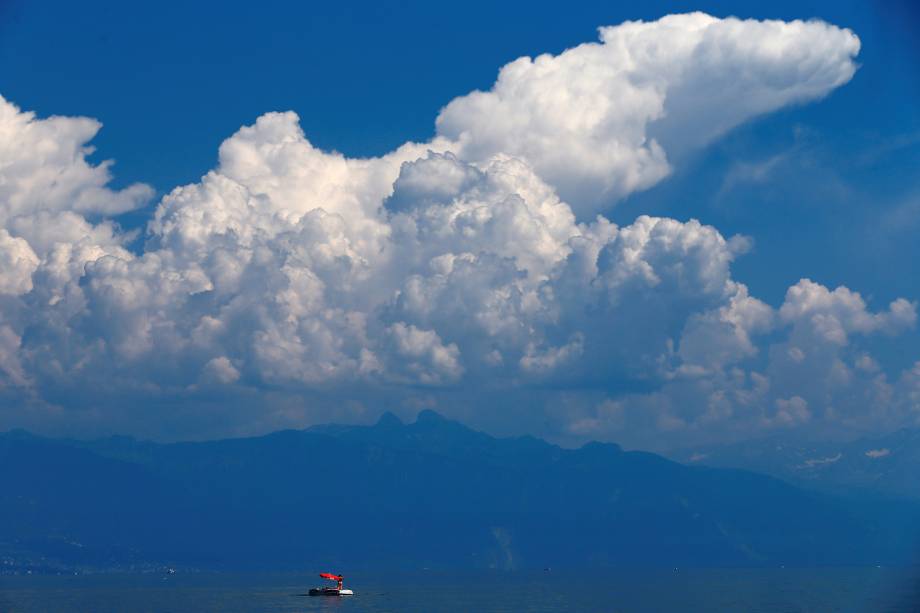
<point>750,590</point>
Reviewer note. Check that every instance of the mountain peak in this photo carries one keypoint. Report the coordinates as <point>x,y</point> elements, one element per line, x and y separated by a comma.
<point>427,416</point>
<point>389,420</point>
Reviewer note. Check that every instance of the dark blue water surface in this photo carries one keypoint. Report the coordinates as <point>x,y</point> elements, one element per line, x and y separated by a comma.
<point>781,589</point>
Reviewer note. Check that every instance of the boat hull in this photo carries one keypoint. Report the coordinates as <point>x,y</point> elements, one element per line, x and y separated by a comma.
<point>330,591</point>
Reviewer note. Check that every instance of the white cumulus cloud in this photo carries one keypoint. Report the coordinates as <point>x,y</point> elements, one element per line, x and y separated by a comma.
<point>17,263</point>
<point>600,120</point>
<point>468,273</point>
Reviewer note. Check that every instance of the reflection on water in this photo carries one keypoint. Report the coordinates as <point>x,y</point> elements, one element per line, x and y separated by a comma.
<point>755,590</point>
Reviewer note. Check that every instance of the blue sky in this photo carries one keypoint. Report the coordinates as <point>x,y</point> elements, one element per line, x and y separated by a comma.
<point>825,189</point>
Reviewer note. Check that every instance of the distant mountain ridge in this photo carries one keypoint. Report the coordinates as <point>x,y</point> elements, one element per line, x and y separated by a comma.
<point>432,493</point>
<point>887,465</point>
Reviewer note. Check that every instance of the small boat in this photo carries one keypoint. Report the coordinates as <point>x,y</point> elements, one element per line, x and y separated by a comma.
<point>330,591</point>
<point>338,590</point>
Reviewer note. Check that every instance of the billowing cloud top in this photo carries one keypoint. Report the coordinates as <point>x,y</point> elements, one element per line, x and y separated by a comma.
<point>600,120</point>
<point>469,273</point>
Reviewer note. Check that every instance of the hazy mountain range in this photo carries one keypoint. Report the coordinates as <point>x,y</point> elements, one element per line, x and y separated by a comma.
<point>886,465</point>
<point>428,494</point>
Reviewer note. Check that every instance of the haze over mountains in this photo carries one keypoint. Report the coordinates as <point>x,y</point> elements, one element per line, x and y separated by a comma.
<point>881,465</point>
<point>428,494</point>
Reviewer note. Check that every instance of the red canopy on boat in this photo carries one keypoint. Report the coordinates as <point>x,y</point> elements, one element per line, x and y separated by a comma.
<point>331,577</point>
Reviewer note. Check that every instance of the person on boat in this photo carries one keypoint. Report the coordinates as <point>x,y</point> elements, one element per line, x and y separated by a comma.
<point>338,582</point>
